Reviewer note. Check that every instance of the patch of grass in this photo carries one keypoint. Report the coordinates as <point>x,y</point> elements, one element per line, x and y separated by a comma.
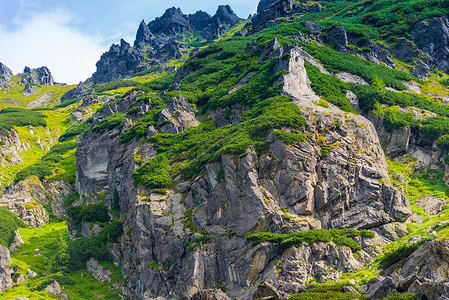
<point>76,131</point>
<point>109,123</point>
<point>290,137</point>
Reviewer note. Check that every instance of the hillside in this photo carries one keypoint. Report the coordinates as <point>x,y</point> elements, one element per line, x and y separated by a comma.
<point>299,154</point>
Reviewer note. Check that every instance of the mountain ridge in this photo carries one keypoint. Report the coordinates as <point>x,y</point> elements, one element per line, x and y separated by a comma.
<point>303,155</point>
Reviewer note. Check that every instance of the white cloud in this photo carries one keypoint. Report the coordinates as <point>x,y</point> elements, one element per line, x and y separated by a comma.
<point>47,40</point>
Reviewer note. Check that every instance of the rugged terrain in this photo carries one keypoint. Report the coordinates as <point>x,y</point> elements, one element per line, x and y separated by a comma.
<point>299,154</point>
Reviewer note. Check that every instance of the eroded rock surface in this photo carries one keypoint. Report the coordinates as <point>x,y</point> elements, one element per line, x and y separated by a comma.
<point>177,116</point>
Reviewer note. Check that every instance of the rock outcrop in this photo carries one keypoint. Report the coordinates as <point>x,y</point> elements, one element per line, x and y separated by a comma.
<point>41,76</point>
<point>120,61</point>
<point>143,36</point>
<point>5,270</point>
<point>25,200</point>
<point>100,273</point>
<point>424,272</point>
<point>295,83</point>
<point>432,37</point>
<point>5,74</point>
<point>78,92</point>
<point>177,116</point>
<point>337,38</point>
<point>10,148</point>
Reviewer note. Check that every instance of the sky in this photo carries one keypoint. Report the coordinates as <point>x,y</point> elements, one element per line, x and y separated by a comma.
<point>69,36</point>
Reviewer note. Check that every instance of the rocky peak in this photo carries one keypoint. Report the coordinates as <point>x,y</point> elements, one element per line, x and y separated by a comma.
<point>5,74</point>
<point>226,15</point>
<point>144,35</point>
<point>264,4</point>
<point>200,20</point>
<point>40,76</point>
<point>172,22</point>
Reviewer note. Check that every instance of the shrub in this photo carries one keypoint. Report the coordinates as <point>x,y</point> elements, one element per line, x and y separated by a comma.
<point>338,236</point>
<point>91,213</point>
<point>116,199</point>
<point>406,296</point>
<point>443,142</point>
<point>329,87</point>
<point>9,223</point>
<point>96,246</point>
<point>115,85</point>
<point>289,137</point>
<point>433,128</point>
<point>67,103</point>
<point>396,255</point>
<point>109,123</point>
<point>76,130</point>
<point>10,117</point>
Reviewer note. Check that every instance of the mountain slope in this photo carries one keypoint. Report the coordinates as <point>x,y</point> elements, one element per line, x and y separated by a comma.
<point>299,156</point>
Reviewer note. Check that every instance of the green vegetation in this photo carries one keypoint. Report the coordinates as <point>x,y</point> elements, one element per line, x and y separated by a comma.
<point>79,251</point>
<point>329,87</point>
<point>42,168</point>
<point>325,292</point>
<point>187,152</point>
<point>115,85</point>
<point>10,117</point>
<point>109,123</point>
<point>289,137</point>
<point>342,237</point>
<point>398,254</point>
<point>75,131</point>
<point>91,213</point>
<point>9,223</point>
<point>45,252</point>
<point>393,118</point>
<point>66,103</point>
<point>341,62</point>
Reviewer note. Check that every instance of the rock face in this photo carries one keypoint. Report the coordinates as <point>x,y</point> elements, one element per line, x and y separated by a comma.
<point>5,270</point>
<point>11,148</point>
<point>264,4</point>
<point>78,92</point>
<point>278,9</point>
<point>40,76</point>
<point>163,257</point>
<point>120,61</point>
<point>25,200</point>
<point>177,116</point>
<point>424,272</point>
<point>295,83</point>
<point>431,205</point>
<point>5,74</point>
<point>143,36</point>
<point>432,37</point>
<point>98,272</point>
<point>338,38</point>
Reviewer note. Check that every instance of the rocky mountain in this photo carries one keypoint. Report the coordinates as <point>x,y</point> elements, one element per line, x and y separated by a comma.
<point>175,32</point>
<point>304,156</point>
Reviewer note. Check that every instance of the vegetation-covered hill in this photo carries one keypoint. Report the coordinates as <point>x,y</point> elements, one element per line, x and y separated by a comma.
<point>299,154</point>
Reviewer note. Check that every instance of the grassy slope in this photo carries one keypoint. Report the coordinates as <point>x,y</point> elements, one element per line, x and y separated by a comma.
<point>38,253</point>
<point>14,91</point>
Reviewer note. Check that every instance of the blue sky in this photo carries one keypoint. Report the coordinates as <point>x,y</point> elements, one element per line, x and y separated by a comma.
<point>69,36</point>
